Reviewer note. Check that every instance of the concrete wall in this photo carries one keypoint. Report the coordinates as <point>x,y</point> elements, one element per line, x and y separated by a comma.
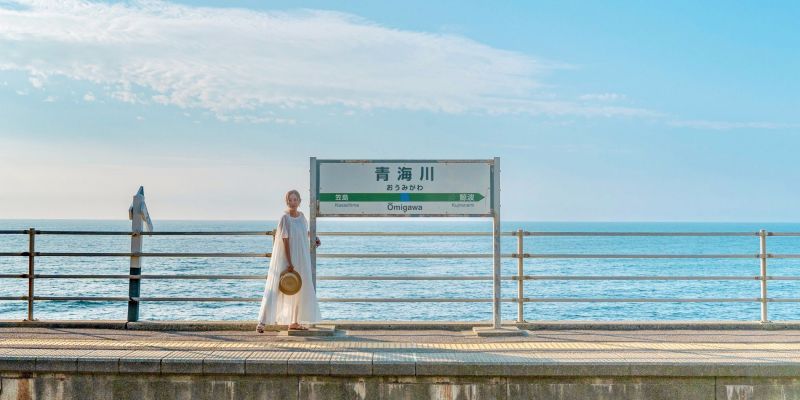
<point>69,386</point>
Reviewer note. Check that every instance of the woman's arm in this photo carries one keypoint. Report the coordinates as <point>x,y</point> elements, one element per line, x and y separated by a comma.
<point>283,229</point>
<point>288,253</point>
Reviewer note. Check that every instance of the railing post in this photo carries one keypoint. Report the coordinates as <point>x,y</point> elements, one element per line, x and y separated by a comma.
<point>520,276</point>
<point>134,285</point>
<point>139,216</point>
<point>762,236</point>
<point>31,270</point>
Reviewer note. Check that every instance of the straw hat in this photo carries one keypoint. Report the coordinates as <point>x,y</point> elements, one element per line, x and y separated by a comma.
<point>290,282</point>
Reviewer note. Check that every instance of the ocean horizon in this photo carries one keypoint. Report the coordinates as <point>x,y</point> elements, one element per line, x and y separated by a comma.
<point>600,311</point>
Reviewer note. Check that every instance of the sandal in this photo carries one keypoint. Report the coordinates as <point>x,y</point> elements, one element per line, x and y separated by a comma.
<point>260,328</point>
<point>298,328</point>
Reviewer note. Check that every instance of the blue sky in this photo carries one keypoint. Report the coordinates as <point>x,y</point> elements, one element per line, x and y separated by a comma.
<point>613,111</point>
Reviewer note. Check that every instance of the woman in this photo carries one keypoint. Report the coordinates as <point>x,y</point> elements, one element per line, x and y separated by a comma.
<point>290,250</point>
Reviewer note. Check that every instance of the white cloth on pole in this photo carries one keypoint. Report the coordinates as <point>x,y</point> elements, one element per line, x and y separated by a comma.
<point>138,208</point>
<point>276,307</point>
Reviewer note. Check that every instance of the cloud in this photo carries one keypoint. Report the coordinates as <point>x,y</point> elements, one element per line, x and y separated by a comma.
<point>89,96</point>
<point>36,82</point>
<point>235,61</point>
<point>727,125</point>
<point>602,97</point>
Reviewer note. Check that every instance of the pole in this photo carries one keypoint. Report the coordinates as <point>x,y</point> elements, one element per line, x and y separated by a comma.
<point>496,320</point>
<point>312,221</point>
<point>134,284</point>
<point>31,269</point>
<point>520,275</point>
<point>762,236</point>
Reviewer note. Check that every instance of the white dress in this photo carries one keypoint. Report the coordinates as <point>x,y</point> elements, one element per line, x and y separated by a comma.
<point>276,307</point>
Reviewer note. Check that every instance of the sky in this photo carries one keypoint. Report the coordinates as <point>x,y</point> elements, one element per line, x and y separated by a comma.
<point>599,111</point>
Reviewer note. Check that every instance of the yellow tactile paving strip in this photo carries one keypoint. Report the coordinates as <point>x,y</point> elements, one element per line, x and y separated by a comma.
<point>389,346</point>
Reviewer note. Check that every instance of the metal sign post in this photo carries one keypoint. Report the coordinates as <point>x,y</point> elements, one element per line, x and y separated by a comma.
<point>496,243</point>
<point>411,188</point>
<point>313,206</point>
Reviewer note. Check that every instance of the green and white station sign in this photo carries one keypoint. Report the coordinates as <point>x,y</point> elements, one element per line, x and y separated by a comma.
<point>398,188</point>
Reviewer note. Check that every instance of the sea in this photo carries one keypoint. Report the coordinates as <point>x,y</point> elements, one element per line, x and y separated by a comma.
<point>411,311</point>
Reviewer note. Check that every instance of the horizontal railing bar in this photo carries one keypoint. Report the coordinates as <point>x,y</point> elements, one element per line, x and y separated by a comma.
<point>78,298</point>
<point>325,299</point>
<point>634,278</point>
<point>158,233</point>
<point>83,276</point>
<point>119,276</point>
<point>408,278</point>
<point>404,277</point>
<point>267,255</point>
<point>410,300</point>
<point>634,300</point>
<point>555,255</point>
<point>200,299</point>
<point>196,276</point>
<point>85,233</point>
<point>251,233</point>
<point>527,233</point>
<point>384,233</point>
<point>403,255</point>
<point>254,277</point>
<point>209,233</point>
<point>430,233</point>
<point>409,255</point>
<point>232,255</point>
<point>74,254</point>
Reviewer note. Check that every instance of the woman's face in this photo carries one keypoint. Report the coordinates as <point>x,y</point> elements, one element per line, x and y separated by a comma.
<point>293,202</point>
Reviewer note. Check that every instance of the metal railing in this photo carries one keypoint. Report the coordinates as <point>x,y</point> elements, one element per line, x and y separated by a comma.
<point>520,255</point>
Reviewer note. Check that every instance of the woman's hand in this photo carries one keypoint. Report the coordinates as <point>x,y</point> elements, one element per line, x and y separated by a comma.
<point>317,242</point>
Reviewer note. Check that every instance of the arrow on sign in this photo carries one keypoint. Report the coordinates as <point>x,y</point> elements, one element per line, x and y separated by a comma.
<point>401,197</point>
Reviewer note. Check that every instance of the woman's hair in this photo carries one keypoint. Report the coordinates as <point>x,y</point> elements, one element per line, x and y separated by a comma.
<point>292,192</point>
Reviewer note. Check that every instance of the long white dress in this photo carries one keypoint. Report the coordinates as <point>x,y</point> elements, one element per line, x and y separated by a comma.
<point>276,307</point>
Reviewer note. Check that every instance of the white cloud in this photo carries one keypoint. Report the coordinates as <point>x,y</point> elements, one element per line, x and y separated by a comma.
<point>727,125</point>
<point>126,96</point>
<point>602,97</point>
<point>231,61</point>
<point>36,82</point>
<point>49,99</point>
<point>89,96</point>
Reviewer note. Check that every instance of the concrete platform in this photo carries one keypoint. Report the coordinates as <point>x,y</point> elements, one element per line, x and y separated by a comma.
<point>395,364</point>
<point>314,331</point>
<point>489,331</point>
<point>409,325</point>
